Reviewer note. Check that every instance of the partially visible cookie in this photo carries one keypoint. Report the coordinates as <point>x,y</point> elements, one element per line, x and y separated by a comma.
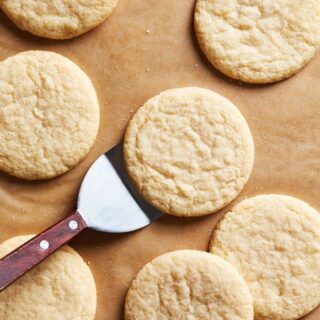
<point>59,19</point>
<point>258,41</point>
<point>274,242</point>
<point>189,151</point>
<point>188,284</point>
<point>61,287</point>
<point>49,115</point>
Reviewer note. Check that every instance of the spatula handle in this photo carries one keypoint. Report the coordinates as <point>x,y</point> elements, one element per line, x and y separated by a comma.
<point>24,258</point>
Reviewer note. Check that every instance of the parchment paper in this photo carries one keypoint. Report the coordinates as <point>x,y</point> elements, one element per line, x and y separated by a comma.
<point>143,48</point>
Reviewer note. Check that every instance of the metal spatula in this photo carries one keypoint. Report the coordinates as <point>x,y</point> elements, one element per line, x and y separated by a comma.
<point>107,202</point>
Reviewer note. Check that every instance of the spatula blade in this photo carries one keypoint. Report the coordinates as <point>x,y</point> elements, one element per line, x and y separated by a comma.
<point>108,201</point>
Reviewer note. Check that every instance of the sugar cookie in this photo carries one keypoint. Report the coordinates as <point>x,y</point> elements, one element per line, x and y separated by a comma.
<point>61,287</point>
<point>189,151</point>
<point>59,19</point>
<point>188,284</point>
<point>258,41</point>
<point>274,242</point>
<point>49,115</point>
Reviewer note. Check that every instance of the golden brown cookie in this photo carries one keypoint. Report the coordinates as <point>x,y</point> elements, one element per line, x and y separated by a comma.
<point>61,287</point>
<point>49,115</point>
<point>258,41</point>
<point>188,284</point>
<point>189,151</point>
<point>58,19</point>
<point>274,242</point>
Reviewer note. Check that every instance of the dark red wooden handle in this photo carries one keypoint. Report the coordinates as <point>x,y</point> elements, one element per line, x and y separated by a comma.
<point>24,258</point>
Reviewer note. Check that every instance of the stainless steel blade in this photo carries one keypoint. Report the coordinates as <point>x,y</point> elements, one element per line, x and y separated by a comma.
<point>108,201</point>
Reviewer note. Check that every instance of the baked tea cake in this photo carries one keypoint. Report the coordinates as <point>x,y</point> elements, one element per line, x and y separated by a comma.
<point>258,41</point>
<point>61,287</point>
<point>274,242</point>
<point>188,284</point>
<point>49,115</point>
<point>188,151</point>
<point>58,19</point>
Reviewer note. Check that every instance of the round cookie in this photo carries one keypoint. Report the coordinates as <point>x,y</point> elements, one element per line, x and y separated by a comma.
<point>61,287</point>
<point>189,151</point>
<point>258,41</point>
<point>59,19</point>
<point>274,242</point>
<point>49,115</point>
<point>188,284</point>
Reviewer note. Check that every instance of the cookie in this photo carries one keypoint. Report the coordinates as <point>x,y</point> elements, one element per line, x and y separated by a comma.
<point>188,151</point>
<point>258,41</point>
<point>49,115</point>
<point>188,284</point>
<point>59,19</point>
<point>61,287</point>
<point>274,242</point>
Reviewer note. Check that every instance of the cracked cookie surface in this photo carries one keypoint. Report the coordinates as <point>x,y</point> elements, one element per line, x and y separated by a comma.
<point>274,242</point>
<point>49,115</point>
<point>58,19</point>
<point>189,151</point>
<point>258,41</point>
<point>188,284</point>
<point>61,287</point>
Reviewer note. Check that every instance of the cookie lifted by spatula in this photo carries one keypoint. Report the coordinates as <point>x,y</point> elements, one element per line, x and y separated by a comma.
<point>189,151</point>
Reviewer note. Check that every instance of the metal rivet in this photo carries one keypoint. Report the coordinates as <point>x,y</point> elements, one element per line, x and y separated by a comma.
<point>73,224</point>
<point>44,244</point>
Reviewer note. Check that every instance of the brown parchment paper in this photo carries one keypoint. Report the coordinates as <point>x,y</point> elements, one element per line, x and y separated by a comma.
<point>143,48</point>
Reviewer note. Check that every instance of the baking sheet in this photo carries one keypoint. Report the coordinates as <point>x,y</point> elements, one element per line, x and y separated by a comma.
<point>143,48</point>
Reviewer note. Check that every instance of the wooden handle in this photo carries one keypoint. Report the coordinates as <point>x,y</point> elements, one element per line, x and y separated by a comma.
<point>24,258</point>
